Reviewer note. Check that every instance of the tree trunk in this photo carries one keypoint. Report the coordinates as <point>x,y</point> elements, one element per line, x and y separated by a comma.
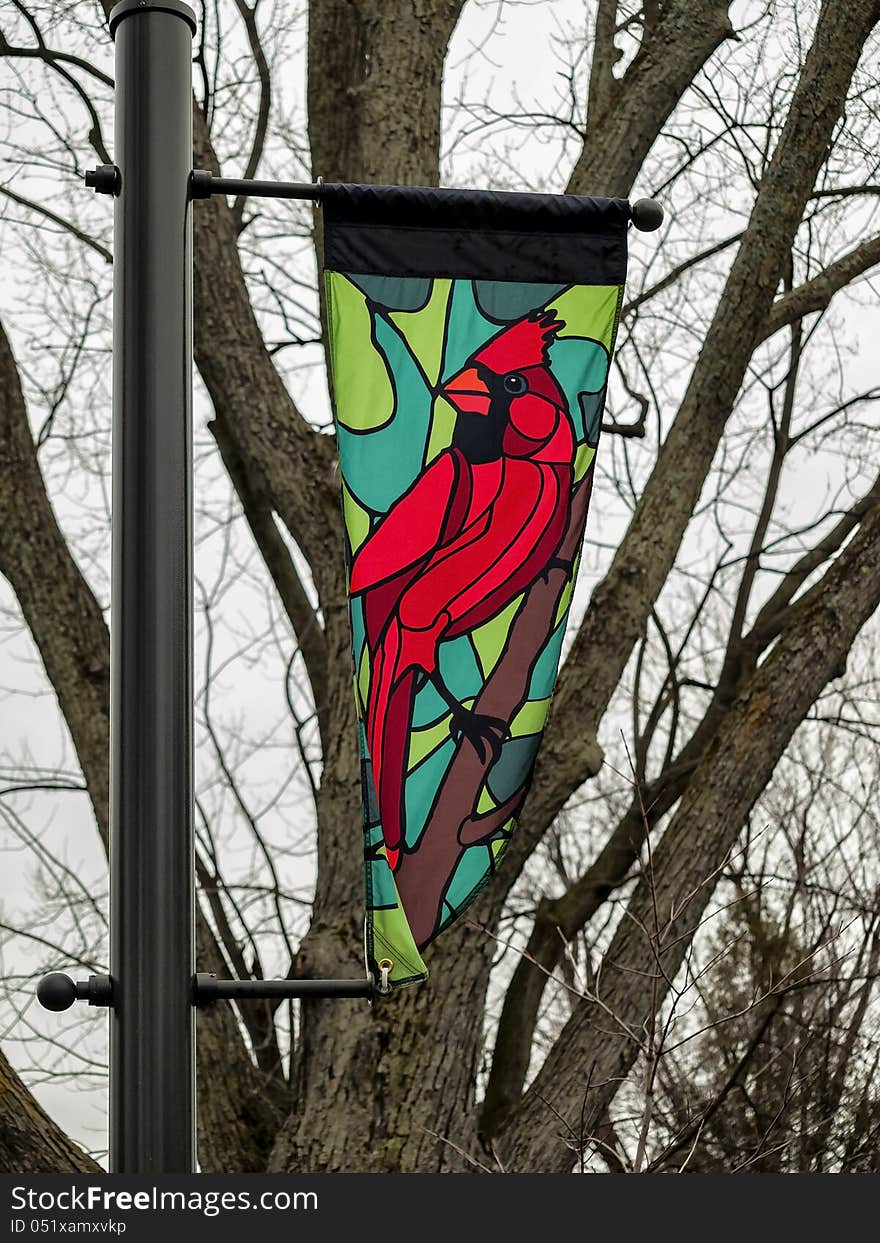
<point>601,1040</point>
<point>29,1139</point>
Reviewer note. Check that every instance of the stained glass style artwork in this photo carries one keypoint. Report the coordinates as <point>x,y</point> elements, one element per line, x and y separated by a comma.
<point>471,335</point>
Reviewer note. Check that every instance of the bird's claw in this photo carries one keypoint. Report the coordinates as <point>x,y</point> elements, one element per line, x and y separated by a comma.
<point>559,563</point>
<point>486,734</point>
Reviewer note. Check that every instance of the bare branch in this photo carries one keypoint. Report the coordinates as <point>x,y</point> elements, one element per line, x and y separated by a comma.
<point>816,294</point>
<point>67,225</point>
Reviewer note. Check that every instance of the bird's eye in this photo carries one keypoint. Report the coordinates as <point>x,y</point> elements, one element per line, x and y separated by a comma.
<point>514,383</point>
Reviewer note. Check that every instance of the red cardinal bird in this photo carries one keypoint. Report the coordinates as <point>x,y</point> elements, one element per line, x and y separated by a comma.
<point>473,531</point>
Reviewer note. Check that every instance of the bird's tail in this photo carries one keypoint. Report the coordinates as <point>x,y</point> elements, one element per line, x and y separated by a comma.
<point>389,709</point>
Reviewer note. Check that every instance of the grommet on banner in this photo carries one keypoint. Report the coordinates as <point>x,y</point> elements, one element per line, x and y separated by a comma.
<point>385,967</point>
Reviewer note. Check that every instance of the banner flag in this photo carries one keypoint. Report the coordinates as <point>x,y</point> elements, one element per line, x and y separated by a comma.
<point>470,338</point>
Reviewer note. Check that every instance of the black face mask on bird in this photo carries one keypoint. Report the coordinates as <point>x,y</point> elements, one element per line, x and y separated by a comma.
<point>507,400</point>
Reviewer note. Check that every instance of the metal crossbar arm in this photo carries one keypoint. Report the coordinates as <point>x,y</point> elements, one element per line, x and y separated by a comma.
<point>646,214</point>
<point>58,991</point>
<point>203,185</point>
<point>207,988</point>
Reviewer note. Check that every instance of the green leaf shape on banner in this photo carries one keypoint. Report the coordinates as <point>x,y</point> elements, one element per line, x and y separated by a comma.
<point>423,329</point>
<point>588,311</point>
<point>363,675</point>
<point>490,639</point>
<point>380,465</point>
<point>357,520</point>
<point>392,935</point>
<point>423,742</point>
<point>442,429</point>
<point>530,718</point>
<point>362,381</point>
<point>583,460</point>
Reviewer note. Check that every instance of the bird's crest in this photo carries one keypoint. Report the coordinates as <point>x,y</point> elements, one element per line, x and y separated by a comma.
<point>523,344</point>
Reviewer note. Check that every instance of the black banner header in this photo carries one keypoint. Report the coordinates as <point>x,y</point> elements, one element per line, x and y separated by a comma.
<point>476,234</point>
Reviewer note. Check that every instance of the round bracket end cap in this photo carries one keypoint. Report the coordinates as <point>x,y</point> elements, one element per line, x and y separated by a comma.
<point>647,215</point>
<point>56,991</point>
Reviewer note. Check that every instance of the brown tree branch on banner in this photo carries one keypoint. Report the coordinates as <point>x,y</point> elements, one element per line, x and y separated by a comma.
<point>451,827</point>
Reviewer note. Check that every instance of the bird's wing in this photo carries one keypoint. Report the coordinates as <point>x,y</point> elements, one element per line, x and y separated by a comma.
<point>493,558</point>
<point>430,513</point>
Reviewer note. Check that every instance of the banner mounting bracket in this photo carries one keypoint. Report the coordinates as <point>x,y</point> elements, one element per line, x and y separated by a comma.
<point>57,991</point>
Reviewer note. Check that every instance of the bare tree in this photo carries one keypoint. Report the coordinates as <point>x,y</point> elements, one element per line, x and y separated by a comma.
<point>732,566</point>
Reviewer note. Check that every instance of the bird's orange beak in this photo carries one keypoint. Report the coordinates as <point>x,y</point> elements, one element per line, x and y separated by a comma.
<point>467,392</point>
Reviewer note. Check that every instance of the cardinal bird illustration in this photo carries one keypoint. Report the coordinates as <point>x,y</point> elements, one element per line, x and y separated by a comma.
<point>476,528</point>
